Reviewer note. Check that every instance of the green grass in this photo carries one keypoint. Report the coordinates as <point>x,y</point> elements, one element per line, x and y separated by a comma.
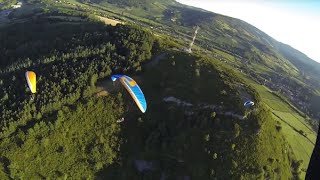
<point>297,122</point>
<point>277,105</point>
<point>225,55</point>
<point>291,122</point>
<point>284,110</point>
<point>301,147</point>
<point>261,69</point>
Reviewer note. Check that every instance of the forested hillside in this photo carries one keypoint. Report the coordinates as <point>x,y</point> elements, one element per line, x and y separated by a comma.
<point>64,119</point>
<point>268,61</point>
<point>195,126</point>
<point>96,49</point>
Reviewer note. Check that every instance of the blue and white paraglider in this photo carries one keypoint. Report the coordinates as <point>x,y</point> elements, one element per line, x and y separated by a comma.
<point>248,104</point>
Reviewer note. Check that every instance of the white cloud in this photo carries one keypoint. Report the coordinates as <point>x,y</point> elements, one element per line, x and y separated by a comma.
<point>289,23</point>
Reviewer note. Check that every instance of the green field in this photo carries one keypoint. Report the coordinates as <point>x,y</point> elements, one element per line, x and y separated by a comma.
<point>291,123</point>
<point>301,147</point>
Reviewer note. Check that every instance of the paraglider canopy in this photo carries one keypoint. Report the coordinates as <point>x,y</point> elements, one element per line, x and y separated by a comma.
<point>31,80</point>
<point>248,104</point>
<point>134,90</point>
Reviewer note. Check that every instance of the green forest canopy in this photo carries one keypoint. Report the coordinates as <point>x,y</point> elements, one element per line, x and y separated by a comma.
<point>66,132</point>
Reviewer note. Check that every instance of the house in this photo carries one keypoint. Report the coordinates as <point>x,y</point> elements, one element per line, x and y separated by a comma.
<point>18,5</point>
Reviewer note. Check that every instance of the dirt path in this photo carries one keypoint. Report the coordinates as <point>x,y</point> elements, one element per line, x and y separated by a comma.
<point>211,106</point>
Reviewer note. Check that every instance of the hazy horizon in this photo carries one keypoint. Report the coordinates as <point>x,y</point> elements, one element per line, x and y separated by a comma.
<point>295,23</point>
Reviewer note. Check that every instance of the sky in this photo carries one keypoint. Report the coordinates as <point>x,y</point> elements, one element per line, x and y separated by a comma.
<point>296,23</point>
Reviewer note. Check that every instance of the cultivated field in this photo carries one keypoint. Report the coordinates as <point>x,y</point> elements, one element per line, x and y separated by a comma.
<point>298,133</point>
<point>108,21</point>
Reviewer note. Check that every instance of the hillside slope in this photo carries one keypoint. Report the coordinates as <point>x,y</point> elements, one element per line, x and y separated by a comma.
<point>267,60</point>
<point>195,101</point>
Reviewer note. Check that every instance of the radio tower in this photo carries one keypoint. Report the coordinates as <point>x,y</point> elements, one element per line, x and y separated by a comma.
<point>194,38</point>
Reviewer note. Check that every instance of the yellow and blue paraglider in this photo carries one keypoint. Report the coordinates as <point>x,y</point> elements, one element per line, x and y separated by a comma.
<point>134,90</point>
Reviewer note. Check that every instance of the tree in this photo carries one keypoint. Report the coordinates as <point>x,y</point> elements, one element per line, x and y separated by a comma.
<point>207,137</point>
<point>215,156</point>
<point>213,115</point>
<point>233,146</point>
<point>278,127</point>
<point>93,80</point>
<point>197,72</point>
<point>237,130</point>
<point>223,92</point>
